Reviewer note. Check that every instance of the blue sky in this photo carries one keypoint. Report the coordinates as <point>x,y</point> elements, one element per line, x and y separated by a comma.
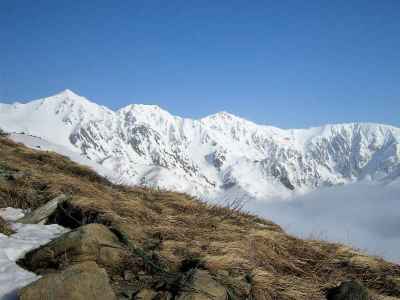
<point>283,63</point>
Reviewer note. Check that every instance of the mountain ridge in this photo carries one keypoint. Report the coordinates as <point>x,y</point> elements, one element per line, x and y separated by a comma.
<point>218,156</point>
<point>74,96</point>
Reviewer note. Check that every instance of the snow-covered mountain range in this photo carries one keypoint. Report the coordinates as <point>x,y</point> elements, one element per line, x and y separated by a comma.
<point>217,157</point>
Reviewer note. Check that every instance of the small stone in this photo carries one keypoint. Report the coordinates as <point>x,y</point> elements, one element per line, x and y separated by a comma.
<point>128,275</point>
<point>116,278</point>
<point>223,273</point>
<point>128,293</point>
<point>146,294</point>
<point>145,278</point>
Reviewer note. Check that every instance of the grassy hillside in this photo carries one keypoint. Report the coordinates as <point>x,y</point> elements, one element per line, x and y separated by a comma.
<point>167,234</point>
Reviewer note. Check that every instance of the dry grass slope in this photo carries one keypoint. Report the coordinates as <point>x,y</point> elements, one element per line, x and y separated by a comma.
<point>252,257</point>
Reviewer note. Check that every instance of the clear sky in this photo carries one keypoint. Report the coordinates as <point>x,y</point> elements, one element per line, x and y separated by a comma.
<point>284,63</point>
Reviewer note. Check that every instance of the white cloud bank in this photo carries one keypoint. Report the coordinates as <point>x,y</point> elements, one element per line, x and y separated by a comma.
<point>363,215</point>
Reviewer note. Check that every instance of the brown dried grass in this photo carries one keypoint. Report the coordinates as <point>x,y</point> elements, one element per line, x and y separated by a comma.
<point>254,258</point>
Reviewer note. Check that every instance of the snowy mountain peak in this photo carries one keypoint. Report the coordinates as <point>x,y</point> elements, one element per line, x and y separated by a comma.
<point>229,123</point>
<point>142,108</point>
<point>68,93</point>
<point>152,115</point>
<point>69,97</point>
<point>220,156</point>
<point>224,116</point>
<point>74,104</point>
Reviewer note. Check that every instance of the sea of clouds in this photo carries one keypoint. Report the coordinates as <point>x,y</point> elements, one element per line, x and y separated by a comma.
<point>363,215</point>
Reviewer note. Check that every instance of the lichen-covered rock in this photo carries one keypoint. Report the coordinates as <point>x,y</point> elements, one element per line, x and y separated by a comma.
<point>79,282</point>
<point>4,227</point>
<point>204,287</point>
<point>41,214</point>
<point>93,242</point>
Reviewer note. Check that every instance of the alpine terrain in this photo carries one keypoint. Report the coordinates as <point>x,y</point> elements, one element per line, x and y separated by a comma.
<point>67,233</point>
<point>217,157</point>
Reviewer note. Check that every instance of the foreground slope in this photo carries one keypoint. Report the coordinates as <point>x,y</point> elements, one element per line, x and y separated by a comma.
<point>165,237</point>
<point>218,157</point>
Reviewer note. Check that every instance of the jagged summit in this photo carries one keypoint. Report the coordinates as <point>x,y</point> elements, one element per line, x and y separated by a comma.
<point>68,93</point>
<point>225,117</point>
<point>219,156</point>
<point>222,115</point>
<point>143,109</point>
<point>149,107</point>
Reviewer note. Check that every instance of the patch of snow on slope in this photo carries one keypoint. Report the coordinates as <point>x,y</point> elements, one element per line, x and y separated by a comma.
<point>14,247</point>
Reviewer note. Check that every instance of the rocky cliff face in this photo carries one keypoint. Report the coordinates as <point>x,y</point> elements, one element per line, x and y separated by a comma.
<point>220,156</point>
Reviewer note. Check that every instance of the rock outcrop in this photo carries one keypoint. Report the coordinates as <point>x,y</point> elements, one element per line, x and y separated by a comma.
<point>92,242</point>
<point>41,214</point>
<point>82,281</point>
<point>203,287</point>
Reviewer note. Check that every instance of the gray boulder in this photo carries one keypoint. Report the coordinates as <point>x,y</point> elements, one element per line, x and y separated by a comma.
<point>79,282</point>
<point>92,242</point>
<point>41,214</point>
<point>204,287</point>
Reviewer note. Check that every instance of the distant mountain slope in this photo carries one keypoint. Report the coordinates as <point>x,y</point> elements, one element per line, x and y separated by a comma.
<point>219,156</point>
<point>154,244</point>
